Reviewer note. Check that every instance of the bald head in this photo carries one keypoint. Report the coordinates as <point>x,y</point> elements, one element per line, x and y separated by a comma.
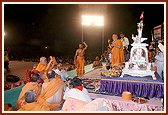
<point>51,74</point>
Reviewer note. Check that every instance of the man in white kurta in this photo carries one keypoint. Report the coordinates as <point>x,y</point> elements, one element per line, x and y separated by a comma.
<point>159,63</point>
<point>160,59</point>
<point>124,40</point>
<point>77,92</point>
<point>60,71</point>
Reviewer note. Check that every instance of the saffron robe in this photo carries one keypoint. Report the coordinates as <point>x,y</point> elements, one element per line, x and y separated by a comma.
<point>80,63</point>
<point>40,68</point>
<point>30,85</point>
<point>49,91</point>
<point>117,53</point>
<point>34,107</point>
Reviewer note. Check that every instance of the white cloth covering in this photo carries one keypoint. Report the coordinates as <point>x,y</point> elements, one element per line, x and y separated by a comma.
<point>161,47</point>
<point>159,63</point>
<point>77,94</point>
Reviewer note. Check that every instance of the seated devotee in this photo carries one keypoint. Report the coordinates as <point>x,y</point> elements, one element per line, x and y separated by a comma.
<point>43,67</point>
<point>60,71</point>
<point>34,71</point>
<point>70,68</point>
<point>31,103</point>
<point>97,63</point>
<point>34,85</point>
<point>109,53</point>
<point>77,91</point>
<point>8,107</point>
<point>117,51</point>
<point>52,92</point>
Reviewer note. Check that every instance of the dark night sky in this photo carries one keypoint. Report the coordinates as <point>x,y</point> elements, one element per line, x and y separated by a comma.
<point>29,28</point>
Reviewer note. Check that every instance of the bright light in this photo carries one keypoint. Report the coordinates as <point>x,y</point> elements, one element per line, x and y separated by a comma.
<point>97,20</point>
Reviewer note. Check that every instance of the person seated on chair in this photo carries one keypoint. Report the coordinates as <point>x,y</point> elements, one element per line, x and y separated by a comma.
<point>77,91</point>
<point>32,105</point>
<point>52,92</point>
<point>33,85</point>
<point>43,67</point>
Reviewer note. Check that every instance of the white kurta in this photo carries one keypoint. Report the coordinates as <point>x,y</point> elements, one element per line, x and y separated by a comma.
<point>161,47</point>
<point>62,73</point>
<point>77,94</point>
<point>125,42</point>
<point>159,63</point>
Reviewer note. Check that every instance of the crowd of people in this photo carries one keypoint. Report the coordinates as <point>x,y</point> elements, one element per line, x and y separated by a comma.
<point>50,95</point>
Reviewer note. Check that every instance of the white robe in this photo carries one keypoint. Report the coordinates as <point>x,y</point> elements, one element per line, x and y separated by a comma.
<point>62,73</point>
<point>77,94</point>
<point>159,63</point>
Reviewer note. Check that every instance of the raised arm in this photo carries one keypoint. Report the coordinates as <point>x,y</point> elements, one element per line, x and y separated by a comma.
<point>85,45</point>
<point>48,65</point>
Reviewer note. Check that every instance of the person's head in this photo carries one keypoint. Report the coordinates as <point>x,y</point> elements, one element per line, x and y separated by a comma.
<point>55,67</point>
<point>115,37</point>
<point>80,45</point>
<point>43,60</point>
<point>122,35</point>
<point>36,78</point>
<point>59,67</point>
<point>51,74</point>
<point>76,82</point>
<point>97,58</point>
<point>34,66</point>
<point>30,96</point>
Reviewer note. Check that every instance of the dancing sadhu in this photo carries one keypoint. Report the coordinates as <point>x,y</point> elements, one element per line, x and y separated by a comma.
<point>117,51</point>
<point>80,61</point>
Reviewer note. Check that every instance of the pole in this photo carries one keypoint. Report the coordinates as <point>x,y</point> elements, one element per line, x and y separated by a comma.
<point>82,33</point>
<point>103,40</point>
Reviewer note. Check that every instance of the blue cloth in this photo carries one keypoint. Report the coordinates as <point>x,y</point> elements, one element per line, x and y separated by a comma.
<point>11,96</point>
<point>135,87</point>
